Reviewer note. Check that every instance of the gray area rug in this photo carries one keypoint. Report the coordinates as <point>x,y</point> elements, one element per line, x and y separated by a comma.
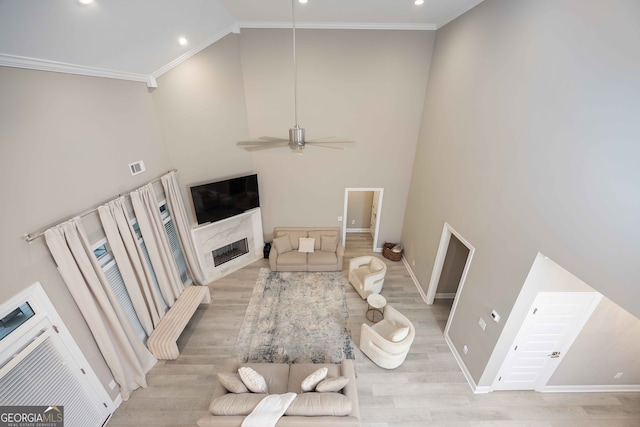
<point>296,317</point>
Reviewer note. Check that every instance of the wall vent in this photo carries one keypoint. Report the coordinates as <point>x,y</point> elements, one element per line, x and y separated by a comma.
<point>136,167</point>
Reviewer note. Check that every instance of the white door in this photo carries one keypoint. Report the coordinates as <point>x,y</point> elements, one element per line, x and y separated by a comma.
<point>553,322</point>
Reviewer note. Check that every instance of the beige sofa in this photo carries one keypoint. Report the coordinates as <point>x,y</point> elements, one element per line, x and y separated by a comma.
<point>327,255</point>
<point>333,409</point>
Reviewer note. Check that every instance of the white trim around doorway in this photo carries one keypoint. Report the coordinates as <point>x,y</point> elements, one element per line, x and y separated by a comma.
<point>447,231</point>
<point>380,191</point>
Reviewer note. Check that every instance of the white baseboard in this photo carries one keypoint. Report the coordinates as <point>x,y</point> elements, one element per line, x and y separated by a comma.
<point>590,388</point>
<point>474,387</point>
<point>414,278</point>
<point>117,401</point>
<point>445,296</point>
<point>358,230</point>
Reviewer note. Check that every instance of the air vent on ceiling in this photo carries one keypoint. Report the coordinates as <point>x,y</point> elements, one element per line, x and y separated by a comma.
<point>136,167</point>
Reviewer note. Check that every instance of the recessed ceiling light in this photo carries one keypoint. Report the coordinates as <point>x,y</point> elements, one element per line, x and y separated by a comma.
<point>302,1</point>
<point>183,41</point>
<point>84,2</point>
<point>418,2</point>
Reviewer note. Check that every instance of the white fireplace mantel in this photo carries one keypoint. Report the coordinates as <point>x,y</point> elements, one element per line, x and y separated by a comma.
<point>215,235</point>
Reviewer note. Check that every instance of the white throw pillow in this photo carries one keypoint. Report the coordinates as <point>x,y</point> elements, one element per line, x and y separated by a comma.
<point>306,244</point>
<point>253,380</point>
<point>310,383</point>
<point>400,334</point>
<point>332,384</point>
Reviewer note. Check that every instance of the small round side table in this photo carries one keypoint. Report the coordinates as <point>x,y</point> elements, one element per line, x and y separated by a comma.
<point>376,304</point>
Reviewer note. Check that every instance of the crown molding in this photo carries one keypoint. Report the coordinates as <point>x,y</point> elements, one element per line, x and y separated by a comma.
<point>66,68</point>
<point>458,13</point>
<point>63,67</point>
<point>235,29</point>
<point>338,25</point>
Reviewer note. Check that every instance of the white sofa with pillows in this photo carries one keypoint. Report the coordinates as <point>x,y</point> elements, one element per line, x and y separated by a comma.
<point>306,249</point>
<point>332,399</point>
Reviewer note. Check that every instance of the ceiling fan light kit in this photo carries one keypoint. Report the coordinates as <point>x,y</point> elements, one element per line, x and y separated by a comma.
<point>296,141</point>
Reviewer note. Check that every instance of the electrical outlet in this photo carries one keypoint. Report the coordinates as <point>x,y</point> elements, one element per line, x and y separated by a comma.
<point>112,384</point>
<point>482,323</point>
<point>465,349</point>
<point>353,221</point>
<point>339,218</point>
<point>413,263</point>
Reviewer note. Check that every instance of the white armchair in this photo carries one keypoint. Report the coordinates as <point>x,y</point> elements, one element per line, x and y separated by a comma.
<point>387,342</point>
<point>366,275</point>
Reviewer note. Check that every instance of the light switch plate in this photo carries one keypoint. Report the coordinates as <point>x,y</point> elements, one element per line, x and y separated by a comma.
<point>482,323</point>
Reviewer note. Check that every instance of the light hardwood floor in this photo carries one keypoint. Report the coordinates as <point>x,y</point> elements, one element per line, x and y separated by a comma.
<point>427,390</point>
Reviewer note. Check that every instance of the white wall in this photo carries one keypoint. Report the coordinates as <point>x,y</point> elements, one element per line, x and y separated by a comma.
<point>529,144</point>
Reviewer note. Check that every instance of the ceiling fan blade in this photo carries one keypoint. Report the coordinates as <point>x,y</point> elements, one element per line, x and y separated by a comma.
<point>330,138</point>
<point>260,142</point>
<point>273,139</point>
<point>267,146</point>
<point>316,144</point>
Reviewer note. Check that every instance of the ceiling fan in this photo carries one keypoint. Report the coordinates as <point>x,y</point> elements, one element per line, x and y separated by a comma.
<point>296,141</point>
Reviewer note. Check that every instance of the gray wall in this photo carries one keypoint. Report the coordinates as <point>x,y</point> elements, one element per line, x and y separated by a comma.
<point>359,209</point>
<point>453,266</point>
<point>65,146</point>
<point>366,86</point>
<point>201,106</point>
<point>529,144</point>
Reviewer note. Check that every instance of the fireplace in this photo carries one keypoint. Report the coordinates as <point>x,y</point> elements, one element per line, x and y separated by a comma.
<point>227,245</point>
<point>230,251</point>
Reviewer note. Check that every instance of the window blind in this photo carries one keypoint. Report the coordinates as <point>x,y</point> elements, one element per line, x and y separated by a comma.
<point>45,377</point>
<point>176,249</point>
<point>120,290</point>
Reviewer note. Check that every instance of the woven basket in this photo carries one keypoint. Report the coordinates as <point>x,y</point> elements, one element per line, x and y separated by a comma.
<point>389,254</point>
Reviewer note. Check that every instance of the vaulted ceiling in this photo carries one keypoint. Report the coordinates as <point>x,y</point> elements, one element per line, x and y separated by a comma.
<point>138,39</point>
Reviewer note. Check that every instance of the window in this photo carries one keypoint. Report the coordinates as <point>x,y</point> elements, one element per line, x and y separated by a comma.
<point>174,242</point>
<point>15,319</point>
<point>147,258</point>
<point>42,365</point>
<point>111,270</point>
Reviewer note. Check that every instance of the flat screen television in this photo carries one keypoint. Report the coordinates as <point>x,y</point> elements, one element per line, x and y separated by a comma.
<point>215,201</point>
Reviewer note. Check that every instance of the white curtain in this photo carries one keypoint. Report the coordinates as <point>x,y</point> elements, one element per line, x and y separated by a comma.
<point>180,219</point>
<point>124,352</point>
<point>136,275</point>
<point>147,212</point>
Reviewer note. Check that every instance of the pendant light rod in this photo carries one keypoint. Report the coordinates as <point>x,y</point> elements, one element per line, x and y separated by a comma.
<point>295,64</point>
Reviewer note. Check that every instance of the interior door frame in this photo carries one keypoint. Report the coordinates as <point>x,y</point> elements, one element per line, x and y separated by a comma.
<point>445,237</point>
<point>380,191</point>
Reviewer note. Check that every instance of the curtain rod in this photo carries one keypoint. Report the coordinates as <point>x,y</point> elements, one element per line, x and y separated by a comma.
<point>30,237</point>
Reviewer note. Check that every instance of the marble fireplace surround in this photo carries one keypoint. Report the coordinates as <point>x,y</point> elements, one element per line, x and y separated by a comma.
<point>215,235</point>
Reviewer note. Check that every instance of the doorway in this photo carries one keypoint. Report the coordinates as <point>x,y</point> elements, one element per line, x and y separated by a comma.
<point>362,208</point>
<point>450,267</point>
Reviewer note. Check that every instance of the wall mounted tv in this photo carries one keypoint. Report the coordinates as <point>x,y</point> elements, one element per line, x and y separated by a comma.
<point>223,199</point>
